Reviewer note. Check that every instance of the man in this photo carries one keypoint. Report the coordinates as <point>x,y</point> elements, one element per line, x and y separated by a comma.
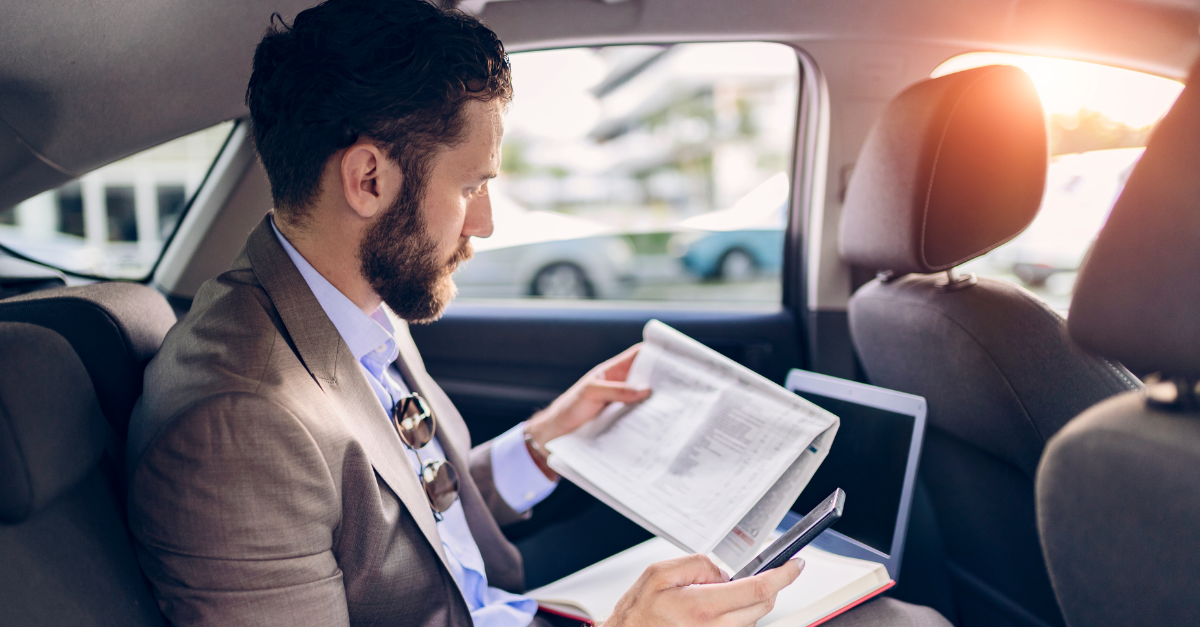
<point>292,463</point>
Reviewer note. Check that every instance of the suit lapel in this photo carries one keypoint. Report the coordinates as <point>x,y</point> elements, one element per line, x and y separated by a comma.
<point>330,362</point>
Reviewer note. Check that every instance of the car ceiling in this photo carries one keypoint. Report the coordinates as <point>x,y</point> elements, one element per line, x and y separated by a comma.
<point>84,84</point>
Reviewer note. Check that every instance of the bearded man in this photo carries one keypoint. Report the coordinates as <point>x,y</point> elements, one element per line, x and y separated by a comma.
<point>291,461</point>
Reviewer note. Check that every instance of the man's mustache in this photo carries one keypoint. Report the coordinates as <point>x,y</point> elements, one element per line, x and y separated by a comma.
<point>463,253</point>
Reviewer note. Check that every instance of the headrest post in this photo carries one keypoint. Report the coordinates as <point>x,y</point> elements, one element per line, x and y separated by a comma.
<point>1172,394</point>
<point>955,281</point>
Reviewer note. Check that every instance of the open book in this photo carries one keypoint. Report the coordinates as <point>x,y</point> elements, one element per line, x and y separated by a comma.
<point>711,462</point>
<point>829,585</point>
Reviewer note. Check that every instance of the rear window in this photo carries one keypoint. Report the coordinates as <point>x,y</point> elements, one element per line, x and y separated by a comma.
<point>1100,119</point>
<point>114,222</point>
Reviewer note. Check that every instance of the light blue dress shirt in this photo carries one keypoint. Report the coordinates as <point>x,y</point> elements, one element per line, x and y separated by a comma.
<point>518,480</point>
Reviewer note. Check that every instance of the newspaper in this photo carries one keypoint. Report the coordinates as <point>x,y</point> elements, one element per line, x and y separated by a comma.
<point>711,462</point>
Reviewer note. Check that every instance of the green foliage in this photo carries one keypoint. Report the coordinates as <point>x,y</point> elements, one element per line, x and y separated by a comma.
<point>512,158</point>
<point>1091,130</point>
<point>648,243</point>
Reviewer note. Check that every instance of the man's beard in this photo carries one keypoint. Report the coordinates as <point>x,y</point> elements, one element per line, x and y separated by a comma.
<point>400,260</point>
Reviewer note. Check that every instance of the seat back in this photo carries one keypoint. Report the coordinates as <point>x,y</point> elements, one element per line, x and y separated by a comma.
<point>956,167</point>
<point>114,328</point>
<point>1118,490</point>
<point>66,553</point>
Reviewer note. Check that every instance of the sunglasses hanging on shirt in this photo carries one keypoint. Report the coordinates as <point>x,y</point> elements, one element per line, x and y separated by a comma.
<point>416,424</point>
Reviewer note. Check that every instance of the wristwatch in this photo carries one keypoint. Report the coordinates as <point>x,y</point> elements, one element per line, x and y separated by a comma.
<point>536,448</point>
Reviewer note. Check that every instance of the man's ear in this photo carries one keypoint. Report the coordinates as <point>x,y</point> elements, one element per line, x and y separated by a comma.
<point>369,179</point>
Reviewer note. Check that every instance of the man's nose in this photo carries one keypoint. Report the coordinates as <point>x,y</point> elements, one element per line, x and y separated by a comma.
<point>479,217</point>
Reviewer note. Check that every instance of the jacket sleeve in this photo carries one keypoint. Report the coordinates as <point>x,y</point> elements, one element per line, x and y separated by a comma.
<point>234,508</point>
<point>483,474</point>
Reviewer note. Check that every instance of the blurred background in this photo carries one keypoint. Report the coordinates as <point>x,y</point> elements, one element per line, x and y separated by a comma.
<point>657,173</point>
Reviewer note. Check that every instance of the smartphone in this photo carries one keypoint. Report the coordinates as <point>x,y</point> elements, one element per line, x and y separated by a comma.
<point>798,537</point>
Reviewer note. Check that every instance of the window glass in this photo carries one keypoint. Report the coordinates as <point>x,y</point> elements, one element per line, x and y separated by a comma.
<point>113,222</point>
<point>642,173</point>
<point>1100,118</point>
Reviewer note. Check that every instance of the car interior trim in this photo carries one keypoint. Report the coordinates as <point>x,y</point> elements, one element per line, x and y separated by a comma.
<point>172,271</point>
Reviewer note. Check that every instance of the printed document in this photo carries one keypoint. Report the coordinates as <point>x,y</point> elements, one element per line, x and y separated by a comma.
<point>712,461</point>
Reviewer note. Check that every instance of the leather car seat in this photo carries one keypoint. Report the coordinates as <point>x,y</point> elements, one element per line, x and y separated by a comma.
<point>955,167</point>
<point>1118,491</point>
<point>115,329</point>
<point>66,553</point>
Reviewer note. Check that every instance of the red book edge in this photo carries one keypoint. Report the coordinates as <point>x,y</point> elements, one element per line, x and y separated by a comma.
<point>867,597</point>
<point>586,621</point>
<point>845,608</point>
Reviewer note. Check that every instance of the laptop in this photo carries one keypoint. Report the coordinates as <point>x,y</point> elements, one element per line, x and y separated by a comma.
<point>874,458</point>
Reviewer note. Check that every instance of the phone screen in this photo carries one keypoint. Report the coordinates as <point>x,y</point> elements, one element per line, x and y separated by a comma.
<point>818,520</point>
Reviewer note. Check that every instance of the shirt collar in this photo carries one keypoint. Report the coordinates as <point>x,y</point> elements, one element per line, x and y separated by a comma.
<point>364,334</point>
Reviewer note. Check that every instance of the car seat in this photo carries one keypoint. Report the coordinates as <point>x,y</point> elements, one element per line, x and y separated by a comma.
<point>955,167</point>
<point>66,553</point>
<point>1118,491</point>
<point>115,329</point>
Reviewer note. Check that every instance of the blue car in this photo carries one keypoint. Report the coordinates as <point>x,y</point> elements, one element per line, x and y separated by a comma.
<point>740,242</point>
<point>733,255</point>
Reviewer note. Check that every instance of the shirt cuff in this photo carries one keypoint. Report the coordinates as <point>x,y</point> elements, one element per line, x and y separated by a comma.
<point>518,479</point>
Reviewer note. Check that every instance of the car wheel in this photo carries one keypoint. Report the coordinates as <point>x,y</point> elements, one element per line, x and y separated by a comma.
<point>737,265</point>
<point>561,280</point>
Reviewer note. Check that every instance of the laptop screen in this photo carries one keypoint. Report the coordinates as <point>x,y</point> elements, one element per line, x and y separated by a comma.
<point>867,460</point>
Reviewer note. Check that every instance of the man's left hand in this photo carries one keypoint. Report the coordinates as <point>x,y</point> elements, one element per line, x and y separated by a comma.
<point>604,384</point>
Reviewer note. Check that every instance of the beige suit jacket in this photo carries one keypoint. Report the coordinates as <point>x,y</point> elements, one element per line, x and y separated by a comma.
<point>267,486</point>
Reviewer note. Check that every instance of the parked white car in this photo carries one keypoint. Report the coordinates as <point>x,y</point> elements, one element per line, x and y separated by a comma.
<point>546,254</point>
<point>1080,191</point>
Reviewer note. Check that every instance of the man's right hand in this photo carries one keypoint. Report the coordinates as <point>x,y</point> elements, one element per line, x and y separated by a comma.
<point>692,592</point>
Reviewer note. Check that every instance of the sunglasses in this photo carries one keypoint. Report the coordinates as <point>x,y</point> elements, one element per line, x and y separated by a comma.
<point>417,425</point>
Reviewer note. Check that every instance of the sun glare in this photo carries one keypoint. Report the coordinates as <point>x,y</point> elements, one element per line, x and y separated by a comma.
<point>1131,98</point>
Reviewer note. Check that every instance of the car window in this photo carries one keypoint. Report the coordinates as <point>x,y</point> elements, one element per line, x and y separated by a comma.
<point>642,173</point>
<point>1100,118</point>
<point>113,222</point>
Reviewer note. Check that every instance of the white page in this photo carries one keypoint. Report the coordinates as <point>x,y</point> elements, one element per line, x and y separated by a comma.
<point>597,588</point>
<point>754,530</point>
<point>828,583</point>
<point>694,458</point>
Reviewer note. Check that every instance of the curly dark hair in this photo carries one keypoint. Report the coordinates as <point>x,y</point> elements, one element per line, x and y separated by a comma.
<point>397,72</point>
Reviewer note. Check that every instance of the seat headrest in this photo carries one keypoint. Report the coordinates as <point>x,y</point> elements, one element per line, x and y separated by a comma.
<point>1137,299</point>
<point>51,429</point>
<point>115,328</point>
<point>953,168</point>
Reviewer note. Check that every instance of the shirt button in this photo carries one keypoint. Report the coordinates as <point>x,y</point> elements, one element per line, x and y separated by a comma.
<point>529,496</point>
<point>381,348</point>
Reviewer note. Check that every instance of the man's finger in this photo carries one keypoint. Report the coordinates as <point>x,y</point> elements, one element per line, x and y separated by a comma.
<point>617,368</point>
<point>684,571</point>
<point>752,591</point>
<point>613,391</point>
<point>748,616</point>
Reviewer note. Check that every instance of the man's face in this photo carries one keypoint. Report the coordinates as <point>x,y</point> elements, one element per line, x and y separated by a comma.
<point>411,251</point>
